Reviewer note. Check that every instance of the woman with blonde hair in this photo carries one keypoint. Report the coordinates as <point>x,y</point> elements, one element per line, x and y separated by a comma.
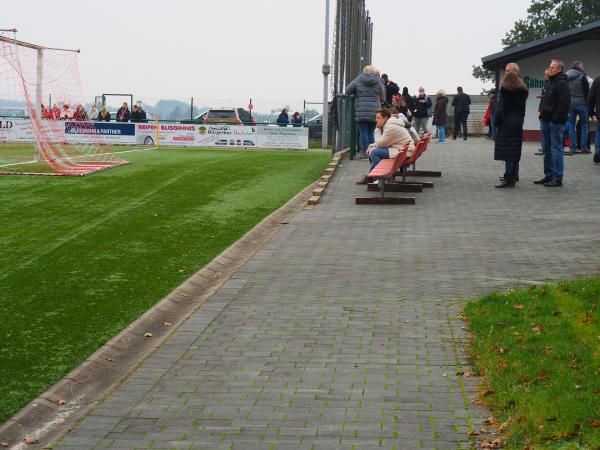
<point>368,92</point>
<point>440,116</point>
<point>509,114</point>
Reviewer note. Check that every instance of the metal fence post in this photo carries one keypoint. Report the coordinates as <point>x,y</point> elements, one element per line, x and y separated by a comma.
<point>353,140</point>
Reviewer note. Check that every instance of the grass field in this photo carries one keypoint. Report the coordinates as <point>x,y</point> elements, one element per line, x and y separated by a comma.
<point>84,257</point>
<point>539,351</point>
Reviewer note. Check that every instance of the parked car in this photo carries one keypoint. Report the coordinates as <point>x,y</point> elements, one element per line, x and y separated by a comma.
<point>228,116</point>
<point>315,127</point>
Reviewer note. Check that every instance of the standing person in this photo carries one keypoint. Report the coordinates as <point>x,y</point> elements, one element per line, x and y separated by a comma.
<point>93,112</point>
<point>368,93</point>
<point>80,113</point>
<point>104,115</point>
<point>408,99</point>
<point>509,115</point>
<point>554,112</point>
<point>283,118</point>
<point>55,112</point>
<point>422,111</point>
<point>391,89</point>
<point>488,119</point>
<point>123,114</point>
<point>594,109</point>
<point>142,113</point>
<point>399,103</point>
<point>135,114</point>
<point>296,119</point>
<point>461,102</point>
<point>440,116</point>
<point>580,88</point>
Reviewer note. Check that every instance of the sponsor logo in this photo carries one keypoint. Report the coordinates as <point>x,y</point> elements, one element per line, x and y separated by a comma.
<point>7,124</point>
<point>202,130</point>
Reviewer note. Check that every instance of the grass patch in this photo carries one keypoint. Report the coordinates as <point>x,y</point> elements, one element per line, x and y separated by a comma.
<point>539,350</point>
<point>84,257</point>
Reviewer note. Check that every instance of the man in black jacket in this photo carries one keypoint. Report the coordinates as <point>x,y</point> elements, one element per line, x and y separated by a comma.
<point>554,111</point>
<point>461,102</point>
<point>391,89</point>
<point>594,108</point>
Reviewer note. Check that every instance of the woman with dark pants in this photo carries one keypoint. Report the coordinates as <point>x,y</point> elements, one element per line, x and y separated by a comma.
<point>509,113</point>
<point>368,92</point>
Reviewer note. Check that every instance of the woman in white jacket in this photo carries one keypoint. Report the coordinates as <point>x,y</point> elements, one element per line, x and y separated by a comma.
<point>391,133</point>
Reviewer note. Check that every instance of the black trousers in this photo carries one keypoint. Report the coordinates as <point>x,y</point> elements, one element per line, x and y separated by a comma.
<point>460,120</point>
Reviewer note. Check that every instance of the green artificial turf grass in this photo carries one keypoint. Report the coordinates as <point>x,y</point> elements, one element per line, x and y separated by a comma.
<point>82,257</point>
<point>539,351</point>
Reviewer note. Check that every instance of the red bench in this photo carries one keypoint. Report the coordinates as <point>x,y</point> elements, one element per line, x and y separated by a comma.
<point>421,173</point>
<point>408,186</point>
<point>386,170</point>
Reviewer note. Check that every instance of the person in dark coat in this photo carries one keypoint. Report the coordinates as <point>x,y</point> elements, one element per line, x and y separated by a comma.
<point>594,108</point>
<point>408,99</point>
<point>508,119</point>
<point>296,119</point>
<point>461,103</point>
<point>391,89</point>
<point>368,92</point>
<point>554,111</point>
<point>440,116</point>
<point>283,118</point>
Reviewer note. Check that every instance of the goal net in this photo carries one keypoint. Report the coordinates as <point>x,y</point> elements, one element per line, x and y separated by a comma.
<point>45,124</point>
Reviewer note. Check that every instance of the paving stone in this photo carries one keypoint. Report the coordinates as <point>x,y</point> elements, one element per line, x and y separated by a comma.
<point>341,332</point>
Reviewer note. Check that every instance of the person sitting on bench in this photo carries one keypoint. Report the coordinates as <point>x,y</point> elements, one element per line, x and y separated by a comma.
<point>391,133</point>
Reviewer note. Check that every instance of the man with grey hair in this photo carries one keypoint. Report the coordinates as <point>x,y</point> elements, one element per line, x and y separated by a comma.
<point>554,111</point>
<point>580,88</point>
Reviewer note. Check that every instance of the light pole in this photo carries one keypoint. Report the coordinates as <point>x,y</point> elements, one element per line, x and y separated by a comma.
<point>326,70</point>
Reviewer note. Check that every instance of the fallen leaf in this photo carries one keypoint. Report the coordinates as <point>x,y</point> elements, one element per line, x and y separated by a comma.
<point>444,374</point>
<point>542,374</point>
<point>462,317</point>
<point>487,392</point>
<point>184,294</point>
<point>407,321</point>
<point>30,441</point>
<point>502,427</point>
<point>538,329</point>
<point>473,433</point>
<point>502,364</point>
<point>588,319</point>
<point>4,444</point>
<point>518,306</point>
<point>60,402</point>
<point>594,423</point>
<point>181,270</point>
<point>148,335</point>
<point>578,386</point>
<point>168,324</point>
<point>109,359</point>
<point>490,421</point>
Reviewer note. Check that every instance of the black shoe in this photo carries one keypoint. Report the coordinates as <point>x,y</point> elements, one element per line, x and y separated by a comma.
<point>597,157</point>
<point>586,152</point>
<point>542,180</point>
<point>567,152</point>
<point>553,183</point>
<point>504,183</point>
<point>464,139</point>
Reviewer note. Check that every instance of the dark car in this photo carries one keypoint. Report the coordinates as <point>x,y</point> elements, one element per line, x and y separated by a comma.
<point>315,127</point>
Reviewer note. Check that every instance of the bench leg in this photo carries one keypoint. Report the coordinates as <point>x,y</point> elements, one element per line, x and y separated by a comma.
<point>385,200</point>
<point>423,173</point>
<point>397,187</point>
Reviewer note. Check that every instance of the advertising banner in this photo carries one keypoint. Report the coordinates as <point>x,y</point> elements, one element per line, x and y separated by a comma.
<point>188,135</point>
<point>197,135</point>
<point>110,132</point>
<point>282,137</point>
<point>16,130</point>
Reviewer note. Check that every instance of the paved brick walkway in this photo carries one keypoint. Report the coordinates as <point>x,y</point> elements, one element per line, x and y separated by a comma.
<point>341,331</point>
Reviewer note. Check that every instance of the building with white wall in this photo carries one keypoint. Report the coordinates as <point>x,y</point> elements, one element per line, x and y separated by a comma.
<point>578,44</point>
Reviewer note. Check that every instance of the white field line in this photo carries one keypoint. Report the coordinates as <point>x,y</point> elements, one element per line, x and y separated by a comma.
<point>19,164</point>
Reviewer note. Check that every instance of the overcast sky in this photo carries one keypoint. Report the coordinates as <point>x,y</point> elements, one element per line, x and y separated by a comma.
<point>269,50</point>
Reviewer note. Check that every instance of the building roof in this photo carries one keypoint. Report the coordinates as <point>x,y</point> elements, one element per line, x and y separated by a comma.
<point>498,60</point>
